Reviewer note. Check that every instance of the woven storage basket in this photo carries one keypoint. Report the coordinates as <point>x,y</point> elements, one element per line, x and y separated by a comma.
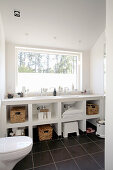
<point>17,114</point>
<point>92,109</point>
<point>45,132</point>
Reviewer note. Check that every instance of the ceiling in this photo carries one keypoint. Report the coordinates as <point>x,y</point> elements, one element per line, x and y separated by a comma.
<point>62,24</point>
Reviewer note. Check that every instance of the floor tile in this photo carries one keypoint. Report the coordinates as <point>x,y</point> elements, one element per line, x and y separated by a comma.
<point>101,144</point>
<point>91,147</point>
<point>87,163</point>
<point>82,139</point>
<point>69,141</point>
<point>94,137</point>
<point>25,163</point>
<point>47,167</point>
<point>99,157</point>
<point>76,151</point>
<point>60,154</point>
<point>40,146</point>
<point>55,144</point>
<point>42,158</point>
<point>67,165</point>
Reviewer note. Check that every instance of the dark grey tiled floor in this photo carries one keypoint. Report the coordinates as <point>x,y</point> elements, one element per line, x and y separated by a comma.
<point>84,152</point>
<point>91,148</point>
<point>67,165</point>
<point>87,162</point>
<point>99,157</point>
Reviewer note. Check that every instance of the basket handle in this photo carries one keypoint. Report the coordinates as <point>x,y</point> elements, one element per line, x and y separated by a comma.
<point>46,131</point>
<point>17,113</point>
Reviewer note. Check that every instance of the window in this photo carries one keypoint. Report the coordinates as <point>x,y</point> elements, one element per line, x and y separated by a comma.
<point>47,69</point>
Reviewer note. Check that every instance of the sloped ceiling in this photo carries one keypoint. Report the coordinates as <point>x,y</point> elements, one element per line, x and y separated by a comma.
<point>65,24</point>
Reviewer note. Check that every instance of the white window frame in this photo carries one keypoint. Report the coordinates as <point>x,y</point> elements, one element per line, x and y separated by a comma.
<point>60,52</point>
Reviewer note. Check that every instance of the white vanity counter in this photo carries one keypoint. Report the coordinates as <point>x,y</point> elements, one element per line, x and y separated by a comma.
<point>40,99</point>
<point>56,107</point>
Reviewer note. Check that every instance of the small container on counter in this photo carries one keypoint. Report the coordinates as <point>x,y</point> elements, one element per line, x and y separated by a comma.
<point>40,115</point>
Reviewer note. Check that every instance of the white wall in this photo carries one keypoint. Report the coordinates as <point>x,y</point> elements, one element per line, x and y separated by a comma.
<point>2,67</point>
<point>97,66</point>
<point>86,71</point>
<point>109,87</point>
<point>11,68</point>
<point>2,60</point>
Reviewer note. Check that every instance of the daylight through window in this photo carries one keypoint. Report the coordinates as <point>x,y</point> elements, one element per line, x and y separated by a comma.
<point>38,70</point>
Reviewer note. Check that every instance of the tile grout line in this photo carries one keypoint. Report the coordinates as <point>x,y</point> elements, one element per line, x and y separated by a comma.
<point>52,157</point>
<point>47,150</point>
<point>71,156</point>
<point>89,153</point>
<point>96,143</point>
<point>85,144</point>
<point>43,152</point>
<point>28,169</point>
<point>64,146</point>
<point>92,156</point>
<point>32,160</point>
<point>43,165</point>
<point>84,148</point>
<point>93,142</point>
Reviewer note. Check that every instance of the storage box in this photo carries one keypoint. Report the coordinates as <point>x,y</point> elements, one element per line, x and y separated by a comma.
<point>92,109</point>
<point>45,132</point>
<point>17,114</point>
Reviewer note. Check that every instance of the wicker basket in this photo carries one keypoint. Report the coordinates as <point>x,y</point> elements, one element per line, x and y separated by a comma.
<point>17,114</point>
<point>92,109</point>
<point>45,132</point>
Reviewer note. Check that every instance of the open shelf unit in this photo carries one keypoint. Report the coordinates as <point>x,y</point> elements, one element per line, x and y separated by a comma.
<point>9,107</point>
<point>26,130</point>
<point>71,111</point>
<point>57,108</point>
<point>97,102</point>
<point>52,108</point>
<point>15,125</point>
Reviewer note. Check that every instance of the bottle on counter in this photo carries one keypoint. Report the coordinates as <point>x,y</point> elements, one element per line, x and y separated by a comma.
<point>73,87</point>
<point>54,92</point>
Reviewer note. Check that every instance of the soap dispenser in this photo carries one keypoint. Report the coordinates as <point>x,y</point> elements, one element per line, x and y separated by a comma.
<point>54,92</point>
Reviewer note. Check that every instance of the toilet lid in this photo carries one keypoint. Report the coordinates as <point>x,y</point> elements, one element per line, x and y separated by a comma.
<point>12,144</point>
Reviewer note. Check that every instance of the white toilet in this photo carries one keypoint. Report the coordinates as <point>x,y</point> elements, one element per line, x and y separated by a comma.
<point>12,150</point>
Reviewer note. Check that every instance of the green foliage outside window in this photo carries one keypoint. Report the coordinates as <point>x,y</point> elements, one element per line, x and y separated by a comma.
<point>29,62</point>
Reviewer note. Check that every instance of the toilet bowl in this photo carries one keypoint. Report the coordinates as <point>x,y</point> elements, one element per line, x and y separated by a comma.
<point>12,150</point>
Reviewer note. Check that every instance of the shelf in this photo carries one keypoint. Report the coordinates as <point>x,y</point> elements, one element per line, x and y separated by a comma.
<point>15,125</point>
<point>75,107</point>
<point>57,108</point>
<point>77,117</point>
<point>92,116</point>
<point>41,122</point>
<point>74,112</point>
<point>36,121</point>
